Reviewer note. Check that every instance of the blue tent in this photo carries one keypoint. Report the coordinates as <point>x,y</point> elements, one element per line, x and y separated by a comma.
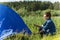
<point>11,22</point>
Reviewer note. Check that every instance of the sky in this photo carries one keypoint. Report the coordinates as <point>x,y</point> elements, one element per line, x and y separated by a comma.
<point>10,0</point>
<point>52,0</point>
<point>27,0</point>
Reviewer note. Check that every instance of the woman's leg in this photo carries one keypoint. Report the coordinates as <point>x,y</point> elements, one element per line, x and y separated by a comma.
<point>41,33</point>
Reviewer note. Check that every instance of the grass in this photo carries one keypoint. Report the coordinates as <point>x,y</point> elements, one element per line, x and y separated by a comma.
<point>30,21</point>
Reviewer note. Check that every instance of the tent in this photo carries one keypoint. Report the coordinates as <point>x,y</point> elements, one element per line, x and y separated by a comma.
<point>11,22</point>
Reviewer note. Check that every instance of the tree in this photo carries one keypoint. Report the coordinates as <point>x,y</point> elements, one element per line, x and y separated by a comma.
<point>56,6</point>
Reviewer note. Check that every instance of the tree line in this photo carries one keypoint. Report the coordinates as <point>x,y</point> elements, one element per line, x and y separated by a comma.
<point>34,5</point>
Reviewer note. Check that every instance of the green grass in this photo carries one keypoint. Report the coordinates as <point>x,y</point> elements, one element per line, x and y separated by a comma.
<point>30,21</point>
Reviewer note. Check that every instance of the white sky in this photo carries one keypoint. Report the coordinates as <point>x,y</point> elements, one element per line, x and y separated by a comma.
<point>51,0</point>
<point>27,0</point>
<point>9,0</point>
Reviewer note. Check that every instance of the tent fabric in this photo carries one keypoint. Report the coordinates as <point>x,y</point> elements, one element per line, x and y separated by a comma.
<point>11,22</point>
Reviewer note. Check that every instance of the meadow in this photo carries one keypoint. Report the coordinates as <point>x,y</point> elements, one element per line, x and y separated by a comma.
<point>32,13</point>
<point>30,21</point>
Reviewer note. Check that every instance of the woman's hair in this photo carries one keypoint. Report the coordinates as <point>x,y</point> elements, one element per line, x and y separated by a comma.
<point>48,14</point>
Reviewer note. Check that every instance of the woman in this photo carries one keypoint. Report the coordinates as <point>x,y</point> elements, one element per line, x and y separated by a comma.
<point>48,27</point>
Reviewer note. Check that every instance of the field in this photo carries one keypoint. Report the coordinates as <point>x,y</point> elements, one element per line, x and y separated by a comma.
<point>31,13</point>
<point>30,21</point>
